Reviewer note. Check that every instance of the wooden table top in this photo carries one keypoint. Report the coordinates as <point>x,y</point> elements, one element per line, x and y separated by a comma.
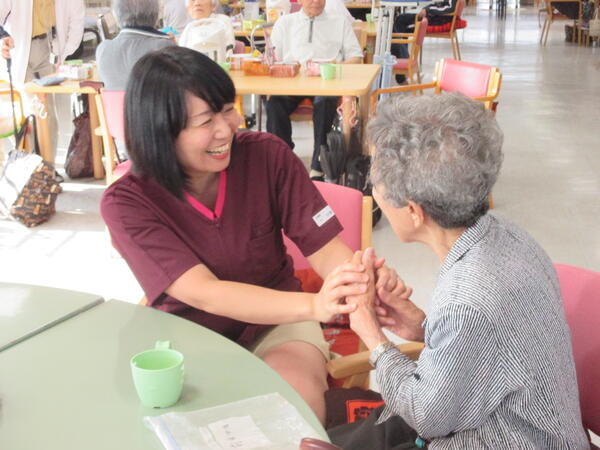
<point>356,81</point>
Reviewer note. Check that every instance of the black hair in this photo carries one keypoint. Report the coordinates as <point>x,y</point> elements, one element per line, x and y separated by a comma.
<point>156,112</point>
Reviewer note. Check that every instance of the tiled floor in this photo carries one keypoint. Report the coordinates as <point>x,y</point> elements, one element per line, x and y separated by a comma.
<point>550,181</point>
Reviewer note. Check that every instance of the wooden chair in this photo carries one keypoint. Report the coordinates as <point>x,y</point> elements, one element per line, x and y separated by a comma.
<point>411,66</point>
<point>552,15</point>
<point>111,115</point>
<point>451,33</point>
<point>478,81</point>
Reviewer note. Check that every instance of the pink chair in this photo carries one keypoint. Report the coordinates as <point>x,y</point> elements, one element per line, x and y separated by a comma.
<point>295,7</point>
<point>410,66</point>
<point>111,115</point>
<point>580,289</point>
<point>348,205</point>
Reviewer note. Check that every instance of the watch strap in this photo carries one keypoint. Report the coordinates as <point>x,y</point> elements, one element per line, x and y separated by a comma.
<point>378,351</point>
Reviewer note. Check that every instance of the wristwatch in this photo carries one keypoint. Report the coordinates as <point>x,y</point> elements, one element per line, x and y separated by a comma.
<point>378,351</point>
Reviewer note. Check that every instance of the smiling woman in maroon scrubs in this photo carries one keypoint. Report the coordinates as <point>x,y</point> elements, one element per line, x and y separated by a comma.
<point>199,220</point>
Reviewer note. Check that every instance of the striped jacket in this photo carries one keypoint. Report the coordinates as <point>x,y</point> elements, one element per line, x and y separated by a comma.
<point>497,370</point>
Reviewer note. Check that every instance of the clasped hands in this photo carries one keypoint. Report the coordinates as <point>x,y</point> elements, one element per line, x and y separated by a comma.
<point>375,297</point>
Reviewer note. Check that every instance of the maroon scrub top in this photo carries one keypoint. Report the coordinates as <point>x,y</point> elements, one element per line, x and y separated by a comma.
<point>267,190</point>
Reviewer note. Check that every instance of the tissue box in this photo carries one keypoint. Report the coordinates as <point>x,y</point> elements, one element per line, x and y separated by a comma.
<point>75,71</point>
<point>283,70</point>
<point>255,67</point>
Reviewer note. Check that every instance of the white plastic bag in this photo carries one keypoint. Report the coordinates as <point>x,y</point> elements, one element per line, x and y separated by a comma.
<point>266,422</point>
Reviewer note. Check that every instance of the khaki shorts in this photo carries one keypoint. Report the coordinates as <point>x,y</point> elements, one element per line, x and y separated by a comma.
<point>309,332</point>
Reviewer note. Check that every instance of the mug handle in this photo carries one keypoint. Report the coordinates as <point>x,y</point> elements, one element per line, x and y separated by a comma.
<point>162,345</point>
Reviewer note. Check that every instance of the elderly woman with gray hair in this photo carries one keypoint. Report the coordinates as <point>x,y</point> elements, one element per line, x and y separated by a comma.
<point>206,9</point>
<point>138,36</point>
<point>497,367</point>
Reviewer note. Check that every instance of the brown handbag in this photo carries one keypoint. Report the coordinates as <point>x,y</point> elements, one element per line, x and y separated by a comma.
<point>78,163</point>
<point>28,185</point>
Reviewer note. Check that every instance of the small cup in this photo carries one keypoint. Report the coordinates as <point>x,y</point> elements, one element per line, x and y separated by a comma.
<point>328,71</point>
<point>370,18</point>
<point>225,66</point>
<point>158,375</point>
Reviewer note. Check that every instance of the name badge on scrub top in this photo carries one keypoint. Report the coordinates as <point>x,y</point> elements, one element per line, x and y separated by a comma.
<point>323,216</point>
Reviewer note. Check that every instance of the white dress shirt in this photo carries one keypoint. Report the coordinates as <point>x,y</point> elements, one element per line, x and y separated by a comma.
<point>296,37</point>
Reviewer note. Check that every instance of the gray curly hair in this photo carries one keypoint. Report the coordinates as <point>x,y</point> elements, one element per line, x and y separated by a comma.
<point>136,13</point>
<point>442,152</point>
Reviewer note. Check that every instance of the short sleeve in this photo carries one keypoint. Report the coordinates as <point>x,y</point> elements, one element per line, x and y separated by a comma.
<point>277,38</point>
<point>155,254</point>
<point>350,46</point>
<point>305,216</point>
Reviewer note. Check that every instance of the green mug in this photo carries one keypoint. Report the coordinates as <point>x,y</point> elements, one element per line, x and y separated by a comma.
<point>328,71</point>
<point>225,66</point>
<point>158,375</point>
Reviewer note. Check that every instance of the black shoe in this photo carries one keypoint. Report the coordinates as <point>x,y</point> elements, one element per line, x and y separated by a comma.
<point>316,175</point>
<point>400,79</point>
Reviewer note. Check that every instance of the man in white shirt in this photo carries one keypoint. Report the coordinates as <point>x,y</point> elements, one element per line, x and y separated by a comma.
<point>310,34</point>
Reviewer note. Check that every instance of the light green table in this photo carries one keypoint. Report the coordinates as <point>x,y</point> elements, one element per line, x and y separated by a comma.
<point>28,310</point>
<point>70,387</point>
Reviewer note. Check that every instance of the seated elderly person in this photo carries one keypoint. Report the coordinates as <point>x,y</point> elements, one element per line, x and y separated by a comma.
<point>310,34</point>
<point>205,9</point>
<point>175,15</point>
<point>138,36</point>
<point>436,13</point>
<point>497,369</point>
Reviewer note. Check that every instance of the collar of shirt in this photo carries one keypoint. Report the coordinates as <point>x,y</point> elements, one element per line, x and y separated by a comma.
<point>321,17</point>
<point>466,241</point>
<point>149,31</point>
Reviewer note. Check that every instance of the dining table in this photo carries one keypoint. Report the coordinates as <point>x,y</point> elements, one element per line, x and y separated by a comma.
<point>70,387</point>
<point>27,310</point>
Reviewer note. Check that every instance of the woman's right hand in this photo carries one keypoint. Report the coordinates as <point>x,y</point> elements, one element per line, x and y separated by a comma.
<point>349,279</point>
<point>7,44</point>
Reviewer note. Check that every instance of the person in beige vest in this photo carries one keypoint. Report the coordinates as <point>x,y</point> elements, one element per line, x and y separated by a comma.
<point>42,33</point>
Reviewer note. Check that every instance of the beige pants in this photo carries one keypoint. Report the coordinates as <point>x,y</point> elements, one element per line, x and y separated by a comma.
<point>309,332</point>
<point>39,66</point>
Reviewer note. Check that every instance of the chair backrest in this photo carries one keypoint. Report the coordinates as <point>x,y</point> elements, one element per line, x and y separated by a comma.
<point>460,5</point>
<point>347,203</point>
<point>422,31</point>
<point>468,78</point>
<point>580,289</point>
<point>419,36</point>
<point>107,25</point>
<point>114,110</point>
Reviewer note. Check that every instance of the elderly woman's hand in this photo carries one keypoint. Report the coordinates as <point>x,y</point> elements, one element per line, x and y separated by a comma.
<point>346,280</point>
<point>396,312</point>
<point>363,320</point>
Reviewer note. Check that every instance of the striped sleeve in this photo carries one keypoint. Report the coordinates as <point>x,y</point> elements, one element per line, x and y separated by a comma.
<point>456,383</point>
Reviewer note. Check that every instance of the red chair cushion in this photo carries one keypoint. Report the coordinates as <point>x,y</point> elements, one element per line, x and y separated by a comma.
<point>460,23</point>
<point>404,63</point>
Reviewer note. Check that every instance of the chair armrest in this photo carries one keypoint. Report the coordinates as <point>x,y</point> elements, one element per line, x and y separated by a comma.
<point>402,41</point>
<point>359,362</point>
<point>390,90</point>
